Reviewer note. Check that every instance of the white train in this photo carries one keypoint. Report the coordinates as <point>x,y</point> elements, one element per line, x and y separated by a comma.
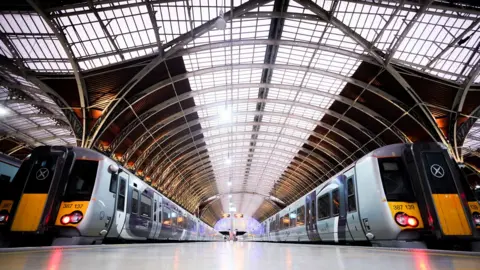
<point>79,196</point>
<point>402,195</point>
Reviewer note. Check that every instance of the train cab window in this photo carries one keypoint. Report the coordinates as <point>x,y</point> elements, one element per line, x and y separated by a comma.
<point>174,218</point>
<point>323,206</point>
<point>352,202</point>
<point>335,202</point>
<point>81,181</point>
<point>145,206</point>
<point>293,219</point>
<point>134,201</point>
<point>113,184</point>
<point>121,194</point>
<point>396,183</point>
<point>41,174</point>
<point>301,215</point>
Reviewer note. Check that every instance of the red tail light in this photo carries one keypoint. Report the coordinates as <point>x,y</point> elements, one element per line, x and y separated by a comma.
<point>404,220</point>
<point>73,218</point>
<point>412,222</point>
<point>65,220</point>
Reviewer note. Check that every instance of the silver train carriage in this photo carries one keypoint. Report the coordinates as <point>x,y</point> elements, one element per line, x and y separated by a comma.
<point>402,195</point>
<point>78,196</point>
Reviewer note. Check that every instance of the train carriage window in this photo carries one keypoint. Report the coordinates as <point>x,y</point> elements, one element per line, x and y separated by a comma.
<point>155,211</point>
<point>134,201</point>
<point>81,181</point>
<point>335,202</point>
<point>301,215</point>
<point>352,202</point>
<point>166,215</point>
<point>285,221</point>
<point>113,184</point>
<point>323,206</point>
<point>121,194</point>
<point>395,180</point>
<point>145,206</point>
<point>293,219</point>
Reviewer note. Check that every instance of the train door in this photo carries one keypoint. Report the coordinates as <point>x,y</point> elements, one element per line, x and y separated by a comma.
<point>157,218</point>
<point>119,214</point>
<point>341,229</point>
<point>311,217</point>
<point>354,226</point>
<point>153,231</point>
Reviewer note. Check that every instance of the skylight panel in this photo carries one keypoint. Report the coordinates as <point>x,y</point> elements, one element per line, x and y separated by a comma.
<point>292,77</point>
<point>324,83</point>
<point>430,35</point>
<point>303,30</point>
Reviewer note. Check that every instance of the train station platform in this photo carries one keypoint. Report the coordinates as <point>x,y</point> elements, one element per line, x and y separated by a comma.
<point>228,255</point>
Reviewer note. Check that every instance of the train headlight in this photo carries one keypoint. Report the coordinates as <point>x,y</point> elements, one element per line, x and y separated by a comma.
<point>3,216</point>
<point>404,220</point>
<point>476,218</point>
<point>73,218</point>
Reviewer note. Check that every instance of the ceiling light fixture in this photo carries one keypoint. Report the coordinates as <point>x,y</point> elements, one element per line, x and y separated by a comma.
<point>225,114</point>
<point>229,195</point>
<point>3,111</point>
<point>229,183</point>
<point>220,23</point>
<point>228,161</point>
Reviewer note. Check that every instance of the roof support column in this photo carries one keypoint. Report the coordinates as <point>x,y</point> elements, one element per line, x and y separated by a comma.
<point>82,89</point>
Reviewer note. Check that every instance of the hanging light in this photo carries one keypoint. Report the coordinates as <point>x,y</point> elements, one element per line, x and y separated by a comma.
<point>228,161</point>
<point>3,111</point>
<point>225,114</point>
<point>229,195</point>
<point>229,183</point>
<point>220,23</point>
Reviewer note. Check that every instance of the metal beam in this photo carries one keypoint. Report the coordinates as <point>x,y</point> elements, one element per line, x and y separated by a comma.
<point>133,125</point>
<point>82,90</point>
<point>393,47</point>
<point>457,107</point>
<point>379,56</point>
<point>152,146</point>
<point>174,45</point>
<point>104,28</point>
<point>453,43</point>
<point>151,14</point>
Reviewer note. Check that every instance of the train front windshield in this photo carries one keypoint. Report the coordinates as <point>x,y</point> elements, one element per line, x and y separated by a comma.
<point>396,183</point>
<point>81,181</point>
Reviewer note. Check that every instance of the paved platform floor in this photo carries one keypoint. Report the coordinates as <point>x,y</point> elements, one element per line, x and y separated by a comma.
<point>229,255</point>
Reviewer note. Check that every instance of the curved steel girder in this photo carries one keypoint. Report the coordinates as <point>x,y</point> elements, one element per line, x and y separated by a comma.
<point>42,128</point>
<point>192,161</point>
<point>210,174</point>
<point>202,168</point>
<point>136,98</point>
<point>174,45</point>
<point>181,155</point>
<point>275,42</point>
<point>353,123</point>
<point>199,173</point>
<point>82,89</point>
<point>150,148</point>
<point>337,158</point>
<point>458,107</point>
<point>34,115</point>
<point>379,56</point>
<point>342,99</point>
<point>33,103</point>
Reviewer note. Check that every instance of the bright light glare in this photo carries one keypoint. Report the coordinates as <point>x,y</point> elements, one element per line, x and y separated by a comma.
<point>477,187</point>
<point>228,161</point>
<point>225,114</point>
<point>229,195</point>
<point>3,111</point>
<point>229,183</point>
<point>233,209</point>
